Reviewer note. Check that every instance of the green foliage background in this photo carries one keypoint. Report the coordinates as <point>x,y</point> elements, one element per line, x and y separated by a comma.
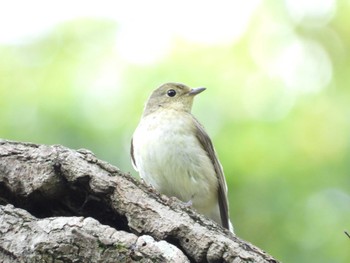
<point>285,151</point>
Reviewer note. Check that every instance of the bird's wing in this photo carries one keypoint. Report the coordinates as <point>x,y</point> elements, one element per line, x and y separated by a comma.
<point>132,155</point>
<point>207,145</point>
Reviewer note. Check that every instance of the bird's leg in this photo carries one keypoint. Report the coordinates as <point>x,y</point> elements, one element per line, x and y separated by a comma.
<point>185,204</point>
<point>150,187</point>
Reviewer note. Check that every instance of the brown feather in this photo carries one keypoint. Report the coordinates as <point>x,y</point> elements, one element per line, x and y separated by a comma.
<point>207,145</point>
<point>132,153</point>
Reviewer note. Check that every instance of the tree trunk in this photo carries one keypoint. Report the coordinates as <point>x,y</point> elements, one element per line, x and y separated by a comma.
<point>61,205</point>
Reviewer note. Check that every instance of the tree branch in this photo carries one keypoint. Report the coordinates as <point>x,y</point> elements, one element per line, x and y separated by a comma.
<point>54,192</point>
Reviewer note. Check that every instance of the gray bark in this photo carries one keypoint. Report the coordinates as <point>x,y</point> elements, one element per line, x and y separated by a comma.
<point>61,205</point>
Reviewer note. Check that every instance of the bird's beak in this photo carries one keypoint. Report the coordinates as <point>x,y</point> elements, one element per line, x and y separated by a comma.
<point>196,91</point>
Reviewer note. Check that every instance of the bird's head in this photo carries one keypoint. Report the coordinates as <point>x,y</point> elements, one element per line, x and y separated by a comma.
<point>171,95</point>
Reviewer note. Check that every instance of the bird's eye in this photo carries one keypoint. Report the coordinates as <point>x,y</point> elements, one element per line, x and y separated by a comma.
<point>171,93</point>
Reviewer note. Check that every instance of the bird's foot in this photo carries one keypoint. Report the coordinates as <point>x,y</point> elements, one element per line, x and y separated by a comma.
<point>188,203</point>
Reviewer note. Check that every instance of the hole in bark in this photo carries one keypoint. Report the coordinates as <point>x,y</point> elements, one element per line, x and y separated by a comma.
<point>7,197</point>
<point>174,241</point>
<point>69,199</point>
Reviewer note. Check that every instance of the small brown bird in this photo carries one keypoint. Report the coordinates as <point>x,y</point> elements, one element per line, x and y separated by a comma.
<point>173,153</point>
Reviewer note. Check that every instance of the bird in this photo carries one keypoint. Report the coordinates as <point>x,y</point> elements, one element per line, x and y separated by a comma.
<point>174,154</point>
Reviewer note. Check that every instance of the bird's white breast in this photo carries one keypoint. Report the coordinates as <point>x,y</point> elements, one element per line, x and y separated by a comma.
<point>170,158</point>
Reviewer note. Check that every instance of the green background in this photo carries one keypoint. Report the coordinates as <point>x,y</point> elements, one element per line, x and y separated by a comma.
<point>277,107</point>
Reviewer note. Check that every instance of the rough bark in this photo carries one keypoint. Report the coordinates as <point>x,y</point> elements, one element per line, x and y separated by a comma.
<point>61,205</point>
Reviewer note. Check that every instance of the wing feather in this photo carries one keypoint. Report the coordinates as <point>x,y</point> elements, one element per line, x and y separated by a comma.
<point>132,155</point>
<point>207,145</point>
